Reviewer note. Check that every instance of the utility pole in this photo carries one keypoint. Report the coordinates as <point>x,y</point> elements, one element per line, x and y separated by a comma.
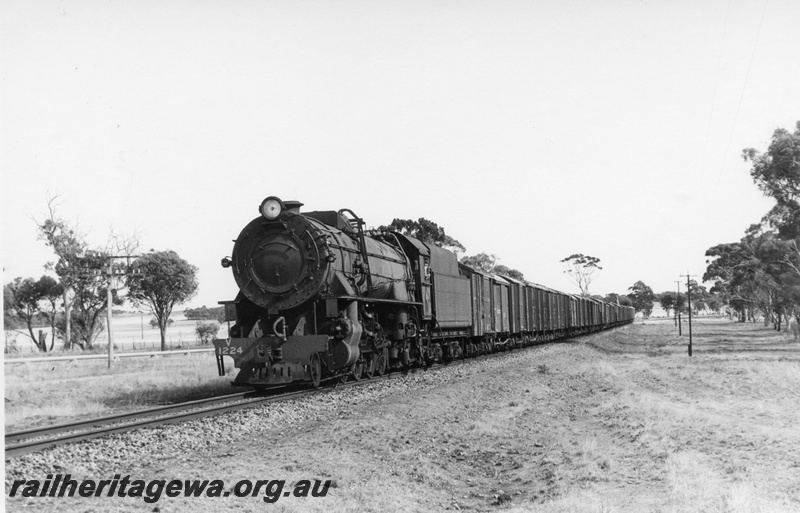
<point>689,299</point>
<point>109,314</point>
<point>677,307</point>
<point>110,275</point>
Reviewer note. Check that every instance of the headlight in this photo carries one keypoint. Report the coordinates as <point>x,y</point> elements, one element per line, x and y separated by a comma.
<point>271,208</point>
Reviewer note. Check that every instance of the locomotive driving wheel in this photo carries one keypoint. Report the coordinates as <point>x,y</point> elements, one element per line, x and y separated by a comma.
<point>381,361</point>
<point>358,369</point>
<point>369,368</point>
<point>315,370</point>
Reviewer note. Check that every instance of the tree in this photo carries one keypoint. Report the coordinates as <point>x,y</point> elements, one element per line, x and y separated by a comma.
<point>488,264</point>
<point>206,331</point>
<point>154,322</point>
<point>25,303</point>
<point>90,285</point>
<point>10,319</point>
<point>621,299</point>
<point>581,269</point>
<point>204,313</point>
<point>672,301</point>
<point>511,273</point>
<point>161,279</point>
<point>482,262</point>
<point>777,174</point>
<point>52,292</point>
<point>642,298</point>
<point>68,246</point>
<point>753,276</point>
<point>25,298</point>
<point>714,302</point>
<point>699,295</point>
<point>83,275</point>
<point>426,231</point>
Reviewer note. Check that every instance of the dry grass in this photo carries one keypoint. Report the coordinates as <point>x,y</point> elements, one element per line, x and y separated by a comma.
<point>720,427</point>
<point>55,392</point>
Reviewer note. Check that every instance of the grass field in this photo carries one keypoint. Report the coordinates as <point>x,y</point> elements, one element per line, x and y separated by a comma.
<point>131,332</point>
<point>55,392</point>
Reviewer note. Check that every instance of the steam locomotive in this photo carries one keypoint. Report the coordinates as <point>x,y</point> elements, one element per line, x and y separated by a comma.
<point>321,298</point>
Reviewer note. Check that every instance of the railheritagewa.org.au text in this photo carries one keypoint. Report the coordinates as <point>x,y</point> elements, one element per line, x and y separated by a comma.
<point>63,485</point>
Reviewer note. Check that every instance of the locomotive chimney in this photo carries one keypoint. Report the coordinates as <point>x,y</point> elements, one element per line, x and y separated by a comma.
<point>292,206</point>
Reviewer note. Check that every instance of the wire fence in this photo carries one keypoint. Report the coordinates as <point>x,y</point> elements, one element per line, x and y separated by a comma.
<point>129,336</point>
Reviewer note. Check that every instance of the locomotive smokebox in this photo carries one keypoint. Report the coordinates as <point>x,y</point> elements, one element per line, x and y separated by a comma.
<point>282,261</point>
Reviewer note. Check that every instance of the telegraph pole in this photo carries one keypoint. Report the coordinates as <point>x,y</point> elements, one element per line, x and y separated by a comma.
<point>689,299</point>
<point>677,307</point>
<point>109,314</point>
<point>110,275</point>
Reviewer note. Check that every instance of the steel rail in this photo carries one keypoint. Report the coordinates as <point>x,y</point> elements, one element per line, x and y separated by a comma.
<point>110,419</point>
<point>35,439</point>
<point>31,440</point>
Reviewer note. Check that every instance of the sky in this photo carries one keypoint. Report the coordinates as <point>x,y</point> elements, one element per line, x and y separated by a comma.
<point>531,130</point>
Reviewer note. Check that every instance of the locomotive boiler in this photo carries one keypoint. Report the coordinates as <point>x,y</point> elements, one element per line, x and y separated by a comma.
<point>319,298</point>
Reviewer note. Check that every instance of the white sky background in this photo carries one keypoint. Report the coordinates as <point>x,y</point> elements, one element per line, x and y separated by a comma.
<point>528,129</point>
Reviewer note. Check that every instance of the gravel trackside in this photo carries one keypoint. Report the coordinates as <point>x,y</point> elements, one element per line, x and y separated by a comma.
<point>560,427</point>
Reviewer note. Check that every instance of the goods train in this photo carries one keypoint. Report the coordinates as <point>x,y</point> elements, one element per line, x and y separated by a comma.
<point>322,298</point>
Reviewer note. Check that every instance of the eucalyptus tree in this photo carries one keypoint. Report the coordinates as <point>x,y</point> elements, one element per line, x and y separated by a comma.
<point>427,231</point>
<point>581,269</point>
<point>161,280</point>
<point>69,246</point>
<point>776,172</point>
<point>642,298</point>
<point>25,299</point>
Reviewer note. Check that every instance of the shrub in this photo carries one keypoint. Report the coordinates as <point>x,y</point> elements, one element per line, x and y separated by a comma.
<point>204,313</point>
<point>206,331</point>
<point>154,322</point>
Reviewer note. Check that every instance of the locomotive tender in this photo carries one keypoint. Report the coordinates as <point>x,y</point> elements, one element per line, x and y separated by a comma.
<point>321,298</point>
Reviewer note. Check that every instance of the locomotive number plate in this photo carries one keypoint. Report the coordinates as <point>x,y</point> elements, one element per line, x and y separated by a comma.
<point>230,350</point>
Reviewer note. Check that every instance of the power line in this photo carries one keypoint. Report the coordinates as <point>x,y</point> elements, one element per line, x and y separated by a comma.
<point>746,80</point>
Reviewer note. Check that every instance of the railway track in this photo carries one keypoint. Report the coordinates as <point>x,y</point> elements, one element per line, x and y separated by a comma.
<point>31,440</point>
<point>36,439</point>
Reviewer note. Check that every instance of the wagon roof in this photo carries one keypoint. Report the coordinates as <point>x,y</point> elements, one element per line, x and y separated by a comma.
<point>538,286</point>
<point>498,278</point>
<point>514,280</point>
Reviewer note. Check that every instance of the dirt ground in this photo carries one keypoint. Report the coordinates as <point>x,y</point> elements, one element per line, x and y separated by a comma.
<point>621,421</point>
<point>617,421</point>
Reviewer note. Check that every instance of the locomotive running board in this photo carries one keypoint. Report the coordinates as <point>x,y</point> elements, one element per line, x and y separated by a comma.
<point>376,300</point>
